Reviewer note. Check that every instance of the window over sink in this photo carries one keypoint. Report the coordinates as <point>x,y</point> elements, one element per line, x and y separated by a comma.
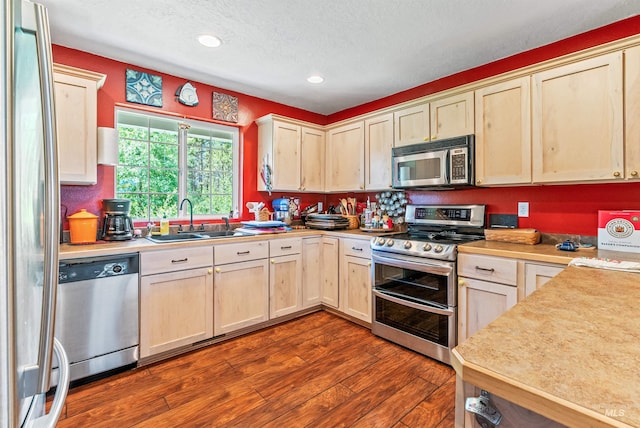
<point>164,159</point>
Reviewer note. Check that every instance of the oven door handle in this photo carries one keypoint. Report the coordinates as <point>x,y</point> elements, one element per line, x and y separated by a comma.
<point>444,268</point>
<point>428,308</point>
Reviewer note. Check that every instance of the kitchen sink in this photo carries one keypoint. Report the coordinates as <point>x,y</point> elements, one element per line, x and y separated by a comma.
<point>193,236</point>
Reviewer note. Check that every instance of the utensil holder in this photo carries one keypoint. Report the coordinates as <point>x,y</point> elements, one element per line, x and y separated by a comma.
<point>354,221</point>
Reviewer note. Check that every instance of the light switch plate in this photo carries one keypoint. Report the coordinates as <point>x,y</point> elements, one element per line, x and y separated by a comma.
<point>523,209</point>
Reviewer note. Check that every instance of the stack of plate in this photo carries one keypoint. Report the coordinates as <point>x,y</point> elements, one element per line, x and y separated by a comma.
<point>327,221</point>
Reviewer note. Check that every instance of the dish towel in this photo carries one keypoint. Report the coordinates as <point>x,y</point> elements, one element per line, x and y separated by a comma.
<point>606,264</point>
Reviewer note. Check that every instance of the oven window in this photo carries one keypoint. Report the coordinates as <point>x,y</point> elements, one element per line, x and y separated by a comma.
<point>416,285</point>
<point>427,325</point>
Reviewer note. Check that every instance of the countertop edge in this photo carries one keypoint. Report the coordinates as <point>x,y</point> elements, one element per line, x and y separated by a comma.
<point>545,404</point>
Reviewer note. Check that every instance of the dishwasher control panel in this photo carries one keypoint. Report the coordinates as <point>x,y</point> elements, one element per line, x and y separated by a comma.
<point>97,267</point>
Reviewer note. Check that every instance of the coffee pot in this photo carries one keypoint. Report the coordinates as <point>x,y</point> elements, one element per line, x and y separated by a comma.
<point>116,225</point>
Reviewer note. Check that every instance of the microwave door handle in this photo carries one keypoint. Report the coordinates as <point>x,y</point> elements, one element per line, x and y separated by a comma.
<point>448,167</point>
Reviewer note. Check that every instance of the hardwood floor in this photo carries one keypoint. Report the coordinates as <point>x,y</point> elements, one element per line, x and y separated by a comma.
<point>316,371</point>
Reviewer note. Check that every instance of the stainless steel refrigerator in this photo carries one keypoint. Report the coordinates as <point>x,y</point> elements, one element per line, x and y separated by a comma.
<point>29,221</point>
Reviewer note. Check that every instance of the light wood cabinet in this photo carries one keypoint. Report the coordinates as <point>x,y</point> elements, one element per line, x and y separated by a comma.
<point>311,271</point>
<point>538,274</point>
<point>285,277</point>
<point>577,121</point>
<point>503,133</point>
<point>355,279</point>
<point>241,286</point>
<point>487,287</point>
<point>345,158</point>
<point>76,103</point>
<point>330,271</point>
<point>295,153</point>
<point>378,138</point>
<point>411,125</point>
<point>176,303</point>
<point>632,113</point>
<point>452,116</point>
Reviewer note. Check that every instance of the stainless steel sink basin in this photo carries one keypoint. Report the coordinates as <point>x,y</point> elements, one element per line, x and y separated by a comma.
<point>175,237</point>
<point>218,234</point>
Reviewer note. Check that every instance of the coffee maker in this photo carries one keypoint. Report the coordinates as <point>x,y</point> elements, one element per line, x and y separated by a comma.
<point>117,225</point>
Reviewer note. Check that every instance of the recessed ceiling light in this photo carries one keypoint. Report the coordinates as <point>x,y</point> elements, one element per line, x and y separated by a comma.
<point>209,41</point>
<point>315,79</point>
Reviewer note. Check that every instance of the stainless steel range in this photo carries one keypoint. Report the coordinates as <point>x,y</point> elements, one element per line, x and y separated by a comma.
<point>415,284</point>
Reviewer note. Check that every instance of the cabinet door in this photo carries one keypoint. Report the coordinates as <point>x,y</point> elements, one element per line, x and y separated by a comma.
<point>356,288</point>
<point>241,295</point>
<point>286,156</point>
<point>503,133</point>
<point>285,285</point>
<point>480,302</point>
<point>330,271</point>
<point>345,158</point>
<point>312,160</point>
<point>632,113</point>
<point>536,275</point>
<point>311,271</point>
<point>577,124</point>
<point>411,125</point>
<point>378,140</point>
<point>176,309</point>
<point>452,116</point>
<point>76,100</point>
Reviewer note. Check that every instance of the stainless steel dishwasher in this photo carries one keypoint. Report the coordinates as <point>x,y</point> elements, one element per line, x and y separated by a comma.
<point>97,313</point>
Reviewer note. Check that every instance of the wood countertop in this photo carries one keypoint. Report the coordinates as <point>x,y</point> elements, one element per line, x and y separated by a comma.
<point>570,351</point>
<point>105,248</point>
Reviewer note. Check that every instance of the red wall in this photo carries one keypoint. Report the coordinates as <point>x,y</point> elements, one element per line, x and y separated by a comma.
<point>553,209</point>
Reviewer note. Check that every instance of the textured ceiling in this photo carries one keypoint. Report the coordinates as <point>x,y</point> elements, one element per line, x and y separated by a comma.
<point>365,49</point>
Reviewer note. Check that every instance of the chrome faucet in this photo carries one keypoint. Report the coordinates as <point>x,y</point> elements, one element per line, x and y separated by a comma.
<point>190,212</point>
<point>226,222</point>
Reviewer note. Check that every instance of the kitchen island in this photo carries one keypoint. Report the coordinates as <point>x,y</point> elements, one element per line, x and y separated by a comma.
<point>570,351</point>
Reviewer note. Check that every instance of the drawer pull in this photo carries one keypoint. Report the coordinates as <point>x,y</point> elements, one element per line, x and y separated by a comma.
<point>491,270</point>
<point>243,253</point>
<point>186,259</point>
<point>288,247</point>
<point>356,249</point>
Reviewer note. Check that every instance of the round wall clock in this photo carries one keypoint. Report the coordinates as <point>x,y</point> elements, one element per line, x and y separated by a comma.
<point>187,95</point>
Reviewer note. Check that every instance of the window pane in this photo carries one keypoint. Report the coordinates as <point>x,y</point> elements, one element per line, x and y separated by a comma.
<point>198,154</point>
<point>139,204</point>
<point>163,181</point>
<point>133,153</point>
<point>162,205</point>
<point>164,156</point>
<point>201,203</point>
<point>198,182</point>
<point>222,204</point>
<point>161,136</point>
<point>132,179</point>
<point>133,132</point>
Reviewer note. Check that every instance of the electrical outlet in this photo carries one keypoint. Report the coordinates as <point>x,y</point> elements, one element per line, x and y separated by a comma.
<point>523,209</point>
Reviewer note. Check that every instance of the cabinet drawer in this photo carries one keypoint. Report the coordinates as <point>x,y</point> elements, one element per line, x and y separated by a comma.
<point>153,262</point>
<point>356,248</point>
<point>283,247</point>
<point>241,252</point>
<point>488,268</point>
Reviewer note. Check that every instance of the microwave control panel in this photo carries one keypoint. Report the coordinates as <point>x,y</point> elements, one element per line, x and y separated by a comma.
<point>459,171</point>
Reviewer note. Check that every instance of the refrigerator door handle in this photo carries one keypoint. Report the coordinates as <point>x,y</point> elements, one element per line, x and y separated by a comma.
<point>51,419</point>
<point>52,202</point>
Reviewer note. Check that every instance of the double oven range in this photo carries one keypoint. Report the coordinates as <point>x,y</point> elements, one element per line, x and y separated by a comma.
<point>414,277</point>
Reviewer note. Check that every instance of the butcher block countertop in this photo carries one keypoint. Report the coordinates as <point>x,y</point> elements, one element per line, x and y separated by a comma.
<point>570,351</point>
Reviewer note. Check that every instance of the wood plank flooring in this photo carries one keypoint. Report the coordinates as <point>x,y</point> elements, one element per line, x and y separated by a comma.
<point>315,371</point>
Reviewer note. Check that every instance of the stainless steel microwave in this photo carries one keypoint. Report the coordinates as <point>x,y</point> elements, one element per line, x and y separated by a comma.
<point>439,165</point>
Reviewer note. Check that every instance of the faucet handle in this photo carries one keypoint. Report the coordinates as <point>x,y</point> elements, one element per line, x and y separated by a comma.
<point>226,222</point>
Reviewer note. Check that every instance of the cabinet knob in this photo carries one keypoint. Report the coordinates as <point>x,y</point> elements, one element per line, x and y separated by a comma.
<point>460,282</point>
<point>425,139</point>
<point>303,188</point>
<point>616,174</point>
<point>634,173</point>
<point>218,270</point>
<point>433,137</point>
<point>273,262</point>
<point>479,181</point>
<point>210,271</point>
<point>361,187</point>
<point>369,264</point>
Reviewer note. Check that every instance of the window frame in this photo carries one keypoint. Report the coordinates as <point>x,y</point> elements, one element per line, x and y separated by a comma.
<point>212,126</point>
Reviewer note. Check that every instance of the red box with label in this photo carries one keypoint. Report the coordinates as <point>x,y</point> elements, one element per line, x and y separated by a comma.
<point>619,231</point>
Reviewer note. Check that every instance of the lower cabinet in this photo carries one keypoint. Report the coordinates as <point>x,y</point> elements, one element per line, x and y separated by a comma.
<point>355,279</point>
<point>538,274</point>
<point>480,302</point>
<point>285,277</point>
<point>176,299</point>
<point>311,271</point>
<point>241,286</point>
<point>329,275</point>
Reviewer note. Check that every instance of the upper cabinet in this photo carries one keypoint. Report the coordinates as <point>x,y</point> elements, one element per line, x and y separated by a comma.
<point>411,125</point>
<point>345,158</point>
<point>632,113</point>
<point>503,133</point>
<point>295,153</point>
<point>76,101</point>
<point>452,116</point>
<point>577,121</point>
<point>378,140</point>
